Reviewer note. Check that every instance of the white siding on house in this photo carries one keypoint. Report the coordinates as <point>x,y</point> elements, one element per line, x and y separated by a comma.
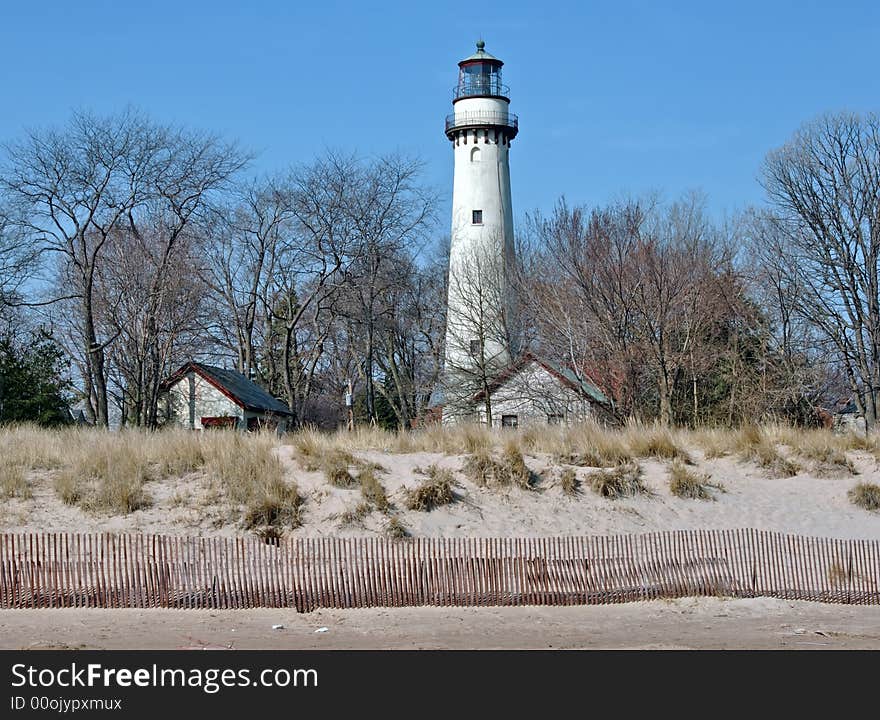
<point>536,397</point>
<point>209,402</point>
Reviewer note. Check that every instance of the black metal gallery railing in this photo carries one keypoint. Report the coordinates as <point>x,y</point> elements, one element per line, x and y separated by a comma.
<point>480,118</point>
<point>475,87</point>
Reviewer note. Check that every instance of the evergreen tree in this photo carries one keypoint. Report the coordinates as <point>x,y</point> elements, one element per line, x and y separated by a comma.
<point>32,386</point>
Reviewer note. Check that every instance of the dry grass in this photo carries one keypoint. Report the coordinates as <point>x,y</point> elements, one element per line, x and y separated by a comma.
<point>274,503</point>
<point>511,469</point>
<point>645,441</point>
<point>34,448</point>
<point>112,472</point>
<point>252,478</point>
<point>760,445</point>
<point>508,470</point>
<point>357,515</point>
<point>866,495</point>
<point>336,468</point>
<point>685,483</point>
<point>584,445</point>
<point>569,482</point>
<point>310,446</point>
<point>180,499</point>
<point>372,489</point>
<point>622,481</point>
<point>826,450</point>
<point>434,491</point>
<point>714,442</point>
<point>14,483</point>
<point>108,474</point>
<point>479,467</point>
<point>176,453</point>
<point>395,529</point>
<point>68,488</point>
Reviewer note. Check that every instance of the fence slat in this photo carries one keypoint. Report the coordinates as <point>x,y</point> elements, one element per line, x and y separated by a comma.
<point>55,570</point>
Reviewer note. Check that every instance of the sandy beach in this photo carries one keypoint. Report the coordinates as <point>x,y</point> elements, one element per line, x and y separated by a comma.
<point>691,623</point>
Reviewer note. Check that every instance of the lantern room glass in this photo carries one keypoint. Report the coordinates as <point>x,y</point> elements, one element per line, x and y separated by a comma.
<point>480,78</point>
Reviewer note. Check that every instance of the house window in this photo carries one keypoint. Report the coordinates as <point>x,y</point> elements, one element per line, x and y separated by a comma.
<point>510,421</point>
<point>475,347</point>
<point>555,419</point>
<point>477,217</point>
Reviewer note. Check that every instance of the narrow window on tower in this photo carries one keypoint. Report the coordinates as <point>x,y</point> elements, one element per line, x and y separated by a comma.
<point>475,347</point>
<point>477,218</point>
<point>475,155</point>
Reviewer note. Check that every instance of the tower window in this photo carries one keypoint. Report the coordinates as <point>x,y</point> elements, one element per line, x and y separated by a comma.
<point>475,155</point>
<point>475,347</point>
<point>477,217</point>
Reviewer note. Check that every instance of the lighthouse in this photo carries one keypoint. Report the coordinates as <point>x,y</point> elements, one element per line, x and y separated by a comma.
<point>481,326</point>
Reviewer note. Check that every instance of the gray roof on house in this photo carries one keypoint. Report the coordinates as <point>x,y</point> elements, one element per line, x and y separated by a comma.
<point>586,387</point>
<point>232,383</point>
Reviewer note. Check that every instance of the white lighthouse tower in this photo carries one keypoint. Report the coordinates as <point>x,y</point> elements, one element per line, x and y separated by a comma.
<point>481,328</point>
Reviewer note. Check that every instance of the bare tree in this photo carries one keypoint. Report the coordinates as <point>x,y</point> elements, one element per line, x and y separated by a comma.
<point>74,188</point>
<point>825,184</point>
<point>282,255</point>
<point>800,368</point>
<point>481,331</point>
<point>635,295</point>
<point>582,298</point>
<point>412,339</point>
<point>153,302</point>
<point>18,257</point>
<point>392,214</point>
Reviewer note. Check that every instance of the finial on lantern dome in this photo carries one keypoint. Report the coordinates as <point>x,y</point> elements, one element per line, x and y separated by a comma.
<point>481,45</point>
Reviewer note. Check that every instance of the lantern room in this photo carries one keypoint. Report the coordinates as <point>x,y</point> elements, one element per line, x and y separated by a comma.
<point>480,76</point>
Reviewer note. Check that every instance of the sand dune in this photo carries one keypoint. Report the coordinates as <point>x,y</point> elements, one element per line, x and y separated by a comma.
<point>809,503</point>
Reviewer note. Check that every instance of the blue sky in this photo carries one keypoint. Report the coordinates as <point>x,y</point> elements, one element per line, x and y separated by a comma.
<point>614,98</point>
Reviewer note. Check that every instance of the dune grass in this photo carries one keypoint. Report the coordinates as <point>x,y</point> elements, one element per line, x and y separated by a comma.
<point>866,495</point>
<point>435,490</point>
<point>373,491</point>
<point>395,529</point>
<point>14,482</point>
<point>509,469</point>
<point>625,480</point>
<point>336,467</point>
<point>686,483</point>
<point>357,514</point>
<point>113,472</point>
<point>252,478</point>
<point>569,482</point>
<point>34,448</point>
<point>761,446</point>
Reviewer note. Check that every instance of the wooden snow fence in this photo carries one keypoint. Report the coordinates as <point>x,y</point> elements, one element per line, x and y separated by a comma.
<point>54,570</point>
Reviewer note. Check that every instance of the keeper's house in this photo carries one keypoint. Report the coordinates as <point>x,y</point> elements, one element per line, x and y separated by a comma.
<point>536,392</point>
<point>200,396</point>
